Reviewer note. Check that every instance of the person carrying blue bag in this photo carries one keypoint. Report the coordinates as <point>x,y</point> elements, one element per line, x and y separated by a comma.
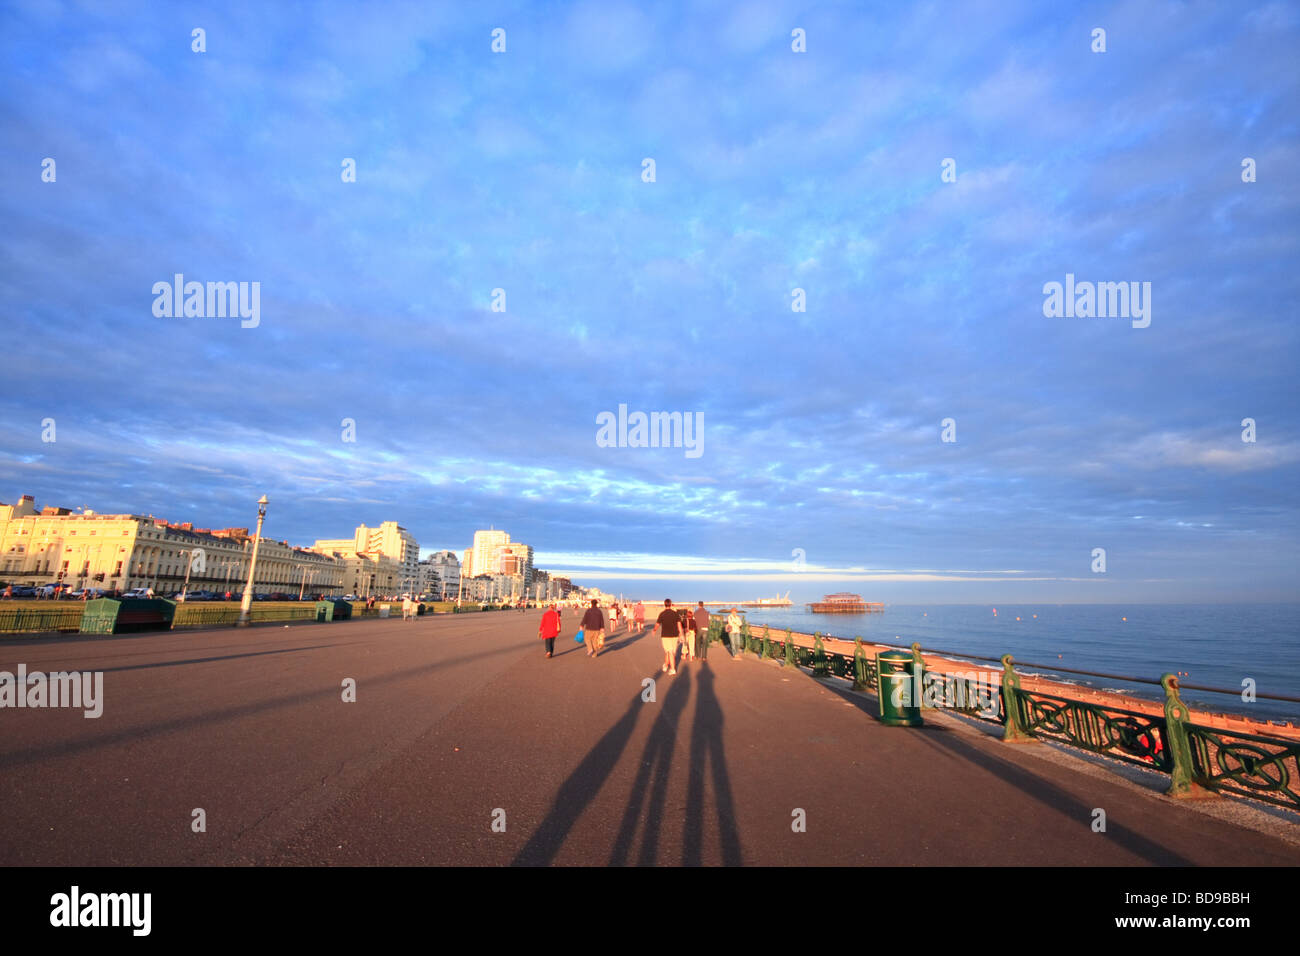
<point>593,629</point>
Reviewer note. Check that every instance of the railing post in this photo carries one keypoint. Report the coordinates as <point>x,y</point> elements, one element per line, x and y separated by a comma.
<point>1182,785</point>
<point>859,665</point>
<point>746,638</point>
<point>918,675</point>
<point>819,657</point>
<point>767,645</point>
<point>1014,730</point>
<point>789,648</point>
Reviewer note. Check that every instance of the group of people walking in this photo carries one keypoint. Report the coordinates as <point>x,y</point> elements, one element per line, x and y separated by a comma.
<point>683,627</point>
<point>688,627</point>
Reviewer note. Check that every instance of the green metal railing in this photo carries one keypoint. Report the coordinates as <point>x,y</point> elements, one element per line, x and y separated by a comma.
<point>206,614</point>
<point>46,617</point>
<point>43,617</point>
<point>1197,758</point>
<point>1251,765</point>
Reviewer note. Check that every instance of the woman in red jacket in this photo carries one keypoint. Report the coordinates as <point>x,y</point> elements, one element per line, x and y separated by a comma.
<point>549,629</point>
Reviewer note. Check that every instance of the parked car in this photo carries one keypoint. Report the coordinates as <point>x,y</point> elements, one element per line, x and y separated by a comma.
<point>137,593</point>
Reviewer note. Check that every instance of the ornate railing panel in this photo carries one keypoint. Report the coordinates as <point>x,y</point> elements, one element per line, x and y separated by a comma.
<point>1266,768</point>
<point>973,694</point>
<point>1127,735</point>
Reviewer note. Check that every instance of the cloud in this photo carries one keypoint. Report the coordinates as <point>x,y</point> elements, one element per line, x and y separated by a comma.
<point>522,171</point>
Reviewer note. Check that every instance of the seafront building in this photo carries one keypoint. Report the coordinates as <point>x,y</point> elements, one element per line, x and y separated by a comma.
<point>440,574</point>
<point>487,551</point>
<point>390,553</point>
<point>517,559</point>
<point>493,554</point>
<point>85,549</point>
<point>124,551</point>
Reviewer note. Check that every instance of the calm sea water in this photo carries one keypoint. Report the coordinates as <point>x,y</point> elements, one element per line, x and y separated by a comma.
<point>1218,645</point>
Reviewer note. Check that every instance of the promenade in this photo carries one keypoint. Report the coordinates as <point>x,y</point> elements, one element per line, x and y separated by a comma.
<point>459,716</point>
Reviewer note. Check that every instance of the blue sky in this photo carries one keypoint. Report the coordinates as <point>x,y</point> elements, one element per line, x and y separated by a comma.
<point>775,170</point>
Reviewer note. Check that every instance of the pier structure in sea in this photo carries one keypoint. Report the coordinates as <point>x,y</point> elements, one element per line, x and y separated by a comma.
<point>842,602</point>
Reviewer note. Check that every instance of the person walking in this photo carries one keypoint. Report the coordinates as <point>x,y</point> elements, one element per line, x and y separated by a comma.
<point>702,632</point>
<point>668,626</point>
<point>639,613</point>
<point>593,629</point>
<point>733,628</point>
<point>613,618</point>
<point>549,629</point>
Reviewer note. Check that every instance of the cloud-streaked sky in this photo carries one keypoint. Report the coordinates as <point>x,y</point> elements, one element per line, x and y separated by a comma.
<point>774,170</point>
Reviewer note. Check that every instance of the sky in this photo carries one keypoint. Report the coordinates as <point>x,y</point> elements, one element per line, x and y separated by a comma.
<point>381,383</point>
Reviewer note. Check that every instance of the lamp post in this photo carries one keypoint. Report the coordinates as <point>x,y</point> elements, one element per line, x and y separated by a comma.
<point>189,563</point>
<point>247,603</point>
<point>307,575</point>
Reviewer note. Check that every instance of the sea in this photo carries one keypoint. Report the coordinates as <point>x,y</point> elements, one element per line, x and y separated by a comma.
<point>1218,645</point>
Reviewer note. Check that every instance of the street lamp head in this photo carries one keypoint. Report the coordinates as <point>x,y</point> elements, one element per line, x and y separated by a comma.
<point>262,501</point>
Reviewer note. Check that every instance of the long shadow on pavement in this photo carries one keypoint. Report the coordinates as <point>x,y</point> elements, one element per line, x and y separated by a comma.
<point>625,641</point>
<point>1027,782</point>
<point>331,693</point>
<point>577,792</point>
<point>706,745</point>
<point>209,660</point>
<point>656,763</point>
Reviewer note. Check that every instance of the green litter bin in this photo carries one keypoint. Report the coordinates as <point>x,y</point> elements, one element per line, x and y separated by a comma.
<point>899,706</point>
<point>324,611</point>
<point>342,610</point>
<point>99,616</point>
<point>127,615</point>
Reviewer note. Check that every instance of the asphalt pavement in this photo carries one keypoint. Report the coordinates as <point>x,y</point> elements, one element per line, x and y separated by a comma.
<point>466,745</point>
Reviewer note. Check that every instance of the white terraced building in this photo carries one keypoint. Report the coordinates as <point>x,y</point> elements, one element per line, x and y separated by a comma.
<point>124,551</point>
